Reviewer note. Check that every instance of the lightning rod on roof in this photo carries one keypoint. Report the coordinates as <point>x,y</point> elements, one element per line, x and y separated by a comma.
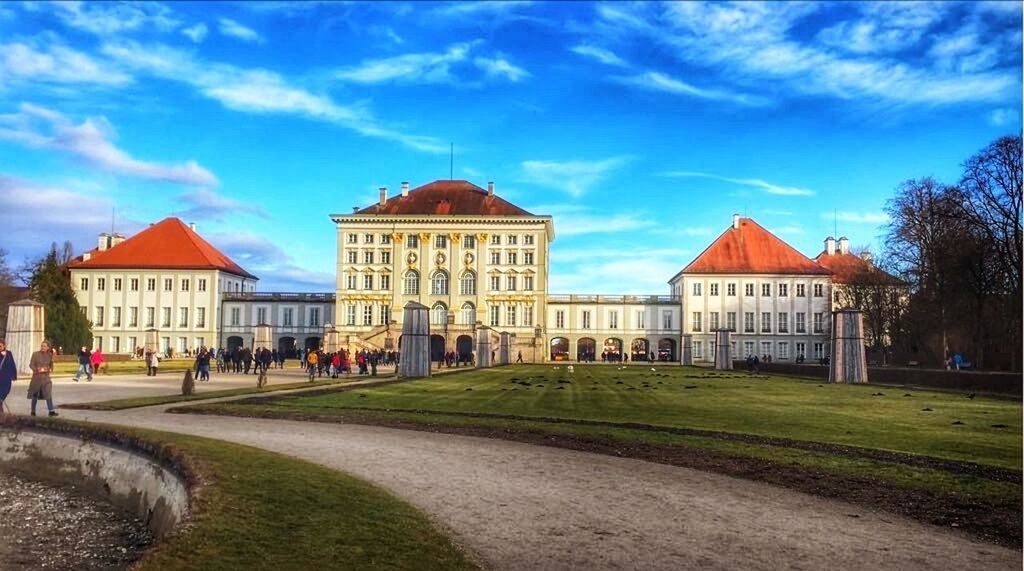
<point>451,162</point>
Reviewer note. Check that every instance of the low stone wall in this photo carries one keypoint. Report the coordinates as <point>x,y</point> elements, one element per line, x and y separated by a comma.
<point>994,382</point>
<point>125,471</point>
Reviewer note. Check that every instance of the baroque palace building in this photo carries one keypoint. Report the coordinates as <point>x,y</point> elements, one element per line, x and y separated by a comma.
<point>476,261</point>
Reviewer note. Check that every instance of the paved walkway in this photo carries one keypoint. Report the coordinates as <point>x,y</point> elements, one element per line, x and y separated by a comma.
<point>519,506</point>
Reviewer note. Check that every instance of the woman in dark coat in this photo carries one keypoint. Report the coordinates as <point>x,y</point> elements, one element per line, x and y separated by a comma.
<point>8,373</point>
<point>41,387</point>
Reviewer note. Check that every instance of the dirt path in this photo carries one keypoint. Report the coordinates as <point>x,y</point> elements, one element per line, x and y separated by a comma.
<point>520,506</point>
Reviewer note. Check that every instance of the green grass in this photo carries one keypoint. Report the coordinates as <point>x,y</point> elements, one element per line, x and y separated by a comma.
<point>136,366</point>
<point>774,406</point>
<point>259,510</point>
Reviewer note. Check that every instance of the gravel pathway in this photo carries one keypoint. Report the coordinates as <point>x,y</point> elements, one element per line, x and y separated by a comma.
<point>518,506</point>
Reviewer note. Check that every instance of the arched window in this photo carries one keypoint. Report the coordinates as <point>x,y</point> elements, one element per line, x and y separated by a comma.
<point>439,283</point>
<point>412,283</point>
<point>468,313</point>
<point>467,283</point>
<point>439,314</point>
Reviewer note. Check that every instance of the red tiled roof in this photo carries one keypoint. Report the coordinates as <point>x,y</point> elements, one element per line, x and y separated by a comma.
<point>451,197</point>
<point>166,245</point>
<point>750,249</point>
<point>846,267</point>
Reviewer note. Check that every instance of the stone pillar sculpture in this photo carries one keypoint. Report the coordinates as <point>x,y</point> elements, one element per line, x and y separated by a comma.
<point>503,348</point>
<point>483,347</point>
<point>723,350</point>
<point>332,339</point>
<point>26,322</point>
<point>686,358</point>
<point>263,337</point>
<point>152,344</point>
<point>414,360</point>
<point>848,359</point>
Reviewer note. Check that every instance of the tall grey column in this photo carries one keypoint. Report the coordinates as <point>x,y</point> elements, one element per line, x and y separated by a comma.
<point>332,342</point>
<point>26,322</point>
<point>415,352</point>
<point>723,349</point>
<point>503,349</point>
<point>483,347</point>
<point>263,337</point>
<point>152,344</point>
<point>849,363</point>
<point>686,358</point>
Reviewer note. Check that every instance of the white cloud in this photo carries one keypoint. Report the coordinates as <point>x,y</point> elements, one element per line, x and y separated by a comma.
<point>55,63</point>
<point>657,81</point>
<point>687,231</point>
<point>604,275</point>
<point>500,67</point>
<point>277,270</point>
<point>430,67</point>
<point>204,204</point>
<point>233,29</point>
<point>92,142</point>
<point>109,18</point>
<point>259,91</point>
<point>1002,117</point>
<point>196,33</point>
<point>579,224</point>
<point>602,55</point>
<point>857,217</point>
<point>765,186</point>
<point>574,177</point>
<point>493,8</point>
<point>790,230</point>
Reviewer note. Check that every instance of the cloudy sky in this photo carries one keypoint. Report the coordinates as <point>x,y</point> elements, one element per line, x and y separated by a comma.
<point>640,127</point>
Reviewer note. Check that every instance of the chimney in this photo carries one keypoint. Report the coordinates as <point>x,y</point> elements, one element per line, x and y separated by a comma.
<point>866,256</point>
<point>736,221</point>
<point>830,246</point>
<point>844,245</point>
<point>103,242</point>
<point>355,209</point>
<point>490,188</point>
<point>192,226</point>
<point>405,188</point>
<point>383,195</point>
<point>116,239</point>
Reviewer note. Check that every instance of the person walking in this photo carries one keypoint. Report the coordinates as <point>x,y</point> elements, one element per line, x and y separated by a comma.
<point>41,387</point>
<point>8,374</point>
<point>97,362</point>
<point>84,364</point>
<point>519,357</point>
<point>312,360</point>
<point>153,360</point>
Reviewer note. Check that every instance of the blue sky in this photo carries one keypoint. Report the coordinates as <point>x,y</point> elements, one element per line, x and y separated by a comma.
<point>640,127</point>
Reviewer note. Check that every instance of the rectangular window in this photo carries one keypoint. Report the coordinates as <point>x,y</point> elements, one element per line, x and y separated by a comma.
<point>314,316</point>
<point>511,258</point>
<point>367,257</point>
<point>183,317</point>
<point>748,322</point>
<point>730,320</point>
<point>495,258</point>
<point>766,322</point>
<point>184,285</point>
<point>528,258</point>
<point>133,317</point>
<point>730,289</point>
<point>819,351</point>
<point>368,281</point>
<point>117,284</point>
<point>200,317</point>
<point>165,317</point>
<point>666,320</point>
<point>350,282</point>
<point>819,322</point>
<point>287,315</point>
<point>713,289</point>
<point>713,321</point>
<point>528,240</point>
<point>528,316</point>
<point>350,314</point>
<point>801,350</point>
<point>150,317</point>
<point>748,289</point>
<point>368,314</point>
<point>201,285</point>
<point>585,320</point>
<point>101,284</point>
<point>783,350</point>
<point>560,319</point>
<point>261,316</point>
<point>352,256</point>
<point>150,284</point>
<point>385,257</point>
<point>641,319</point>
<point>495,240</point>
<point>512,240</point>
<point>801,322</point>
<point>468,242</point>
<point>528,283</point>
<point>818,290</point>
<point>510,316</point>
<point>385,238</point>
<point>511,283</point>
<point>783,290</point>
<point>133,343</point>
<point>766,290</point>
<point>494,316</point>
<point>411,241</point>
<point>698,350</point>
<point>696,325</point>
<point>783,322</point>
<point>116,317</point>
<point>83,284</point>
<point>495,283</point>
<point>800,291</point>
<point>766,348</point>
<point>368,238</point>
<point>133,284</point>
<point>748,349</point>
<point>236,316</point>
<point>385,281</point>
<point>168,284</point>
<point>353,239</point>
<point>696,289</point>
<point>385,314</point>
<point>441,241</point>
<point>613,320</point>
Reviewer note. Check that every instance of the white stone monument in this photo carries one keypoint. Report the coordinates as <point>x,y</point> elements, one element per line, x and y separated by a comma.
<point>332,339</point>
<point>26,322</point>
<point>483,347</point>
<point>504,358</point>
<point>686,357</point>
<point>152,343</point>
<point>414,359</point>
<point>263,337</point>
<point>848,360</point>
<point>723,349</point>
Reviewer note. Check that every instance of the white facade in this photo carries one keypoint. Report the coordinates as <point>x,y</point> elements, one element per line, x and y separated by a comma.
<point>627,325</point>
<point>296,320</point>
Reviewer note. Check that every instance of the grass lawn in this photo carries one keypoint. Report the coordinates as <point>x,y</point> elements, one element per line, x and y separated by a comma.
<point>129,367</point>
<point>259,510</point>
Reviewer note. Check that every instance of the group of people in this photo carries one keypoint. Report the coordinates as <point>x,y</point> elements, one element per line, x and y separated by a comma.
<point>320,363</point>
<point>89,362</point>
<point>39,388</point>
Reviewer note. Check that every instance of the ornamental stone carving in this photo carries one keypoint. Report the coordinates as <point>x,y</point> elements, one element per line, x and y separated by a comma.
<point>469,257</point>
<point>440,258</point>
<point>482,238</point>
<point>456,237</point>
<point>424,237</point>
<point>411,258</point>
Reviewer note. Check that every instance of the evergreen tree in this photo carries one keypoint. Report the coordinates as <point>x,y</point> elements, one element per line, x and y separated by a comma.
<point>66,325</point>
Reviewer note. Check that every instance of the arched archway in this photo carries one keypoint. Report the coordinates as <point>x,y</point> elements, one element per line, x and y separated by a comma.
<point>312,343</point>
<point>439,283</point>
<point>436,347</point>
<point>286,347</point>
<point>468,313</point>
<point>439,314</point>
<point>639,349</point>
<point>612,349</point>
<point>464,348</point>
<point>559,349</point>
<point>667,350</point>
<point>234,341</point>
<point>585,349</point>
